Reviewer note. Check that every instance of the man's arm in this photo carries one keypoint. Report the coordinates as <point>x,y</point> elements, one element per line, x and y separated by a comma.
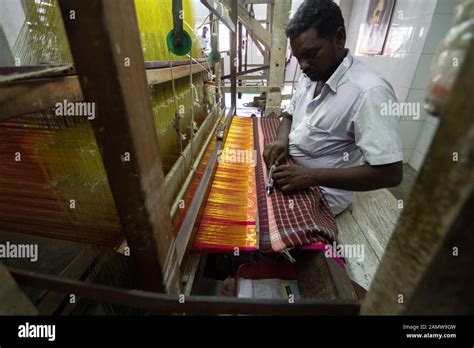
<point>278,150</point>
<point>285,127</point>
<point>361,178</point>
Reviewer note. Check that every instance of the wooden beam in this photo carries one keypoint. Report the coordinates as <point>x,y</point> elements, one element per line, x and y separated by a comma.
<point>251,24</point>
<point>247,89</point>
<point>253,77</point>
<point>13,300</point>
<point>105,45</point>
<point>257,44</point>
<point>233,57</point>
<point>447,285</point>
<point>247,2</point>
<point>157,76</point>
<point>321,277</point>
<point>216,8</point>
<point>27,96</point>
<point>239,50</point>
<point>430,253</point>
<point>280,18</point>
<point>50,302</point>
<point>249,71</point>
<point>209,305</point>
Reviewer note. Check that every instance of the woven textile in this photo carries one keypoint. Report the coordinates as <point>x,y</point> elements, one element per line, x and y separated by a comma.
<point>291,219</point>
<point>229,218</point>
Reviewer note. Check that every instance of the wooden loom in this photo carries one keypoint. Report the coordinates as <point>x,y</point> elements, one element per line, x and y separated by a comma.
<point>144,205</point>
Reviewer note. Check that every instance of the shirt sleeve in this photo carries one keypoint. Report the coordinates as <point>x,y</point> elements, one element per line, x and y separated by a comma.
<point>290,109</point>
<point>376,128</point>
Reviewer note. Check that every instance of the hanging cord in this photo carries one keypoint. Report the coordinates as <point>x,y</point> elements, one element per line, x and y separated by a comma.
<point>192,110</point>
<point>205,23</point>
<point>177,117</point>
<point>209,71</point>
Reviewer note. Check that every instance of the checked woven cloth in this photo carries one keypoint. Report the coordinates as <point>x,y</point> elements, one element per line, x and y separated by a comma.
<point>293,219</point>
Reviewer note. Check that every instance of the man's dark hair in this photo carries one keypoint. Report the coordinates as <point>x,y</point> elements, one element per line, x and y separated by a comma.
<point>323,15</point>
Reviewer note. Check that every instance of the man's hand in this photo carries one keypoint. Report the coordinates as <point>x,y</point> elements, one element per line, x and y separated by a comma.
<point>275,152</point>
<point>293,177</point>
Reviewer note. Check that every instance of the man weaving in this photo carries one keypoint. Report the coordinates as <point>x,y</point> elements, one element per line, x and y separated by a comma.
<point>333,127</point>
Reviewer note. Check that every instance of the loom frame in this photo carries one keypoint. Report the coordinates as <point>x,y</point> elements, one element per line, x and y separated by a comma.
<point>458,124</point>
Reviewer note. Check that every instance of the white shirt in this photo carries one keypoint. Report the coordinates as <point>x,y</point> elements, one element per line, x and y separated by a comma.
<point>343,127</point>
<point>204,43</point>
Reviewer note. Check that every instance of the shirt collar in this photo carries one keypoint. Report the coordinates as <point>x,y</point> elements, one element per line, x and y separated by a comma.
<point>346,63</point>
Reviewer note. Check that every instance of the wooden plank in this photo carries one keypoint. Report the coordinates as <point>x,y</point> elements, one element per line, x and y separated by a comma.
<point>246,2</point>
<point>434,210</point>
<point>253,77</point>
<point>351,233</point>
<point>50,302</point>
<point>247,89</point>
<point>314,278</point>
<point>124,125</point>
<point>27,96</point>
<point>341,280</point>
<point>13,300</point>
<point>190,272</point>
<point>162,303</point>
<point>30,96</point>
<point>61,70</point>
<point>377,213</point>
<point>157,76</point>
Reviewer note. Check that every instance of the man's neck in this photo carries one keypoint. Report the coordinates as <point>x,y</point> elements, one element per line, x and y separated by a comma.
<point>338,62</point>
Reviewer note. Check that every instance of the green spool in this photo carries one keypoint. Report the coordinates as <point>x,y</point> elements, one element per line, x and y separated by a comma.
<point>214,57</point>
<point>179,51</point>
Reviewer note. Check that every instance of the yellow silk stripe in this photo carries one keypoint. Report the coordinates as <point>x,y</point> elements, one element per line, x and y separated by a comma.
<point>229,218</point>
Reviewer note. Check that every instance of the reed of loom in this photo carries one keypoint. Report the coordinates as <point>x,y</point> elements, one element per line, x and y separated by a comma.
<point>59,189</point>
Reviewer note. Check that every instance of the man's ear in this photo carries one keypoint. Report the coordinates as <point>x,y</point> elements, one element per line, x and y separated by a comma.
<point>340,37</point>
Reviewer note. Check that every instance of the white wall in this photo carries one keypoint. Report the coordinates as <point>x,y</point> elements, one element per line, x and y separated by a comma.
<point>442,20</point>
<point>425,23</point>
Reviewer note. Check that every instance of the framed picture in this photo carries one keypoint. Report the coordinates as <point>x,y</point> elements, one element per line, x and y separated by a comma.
<point>373,31</point>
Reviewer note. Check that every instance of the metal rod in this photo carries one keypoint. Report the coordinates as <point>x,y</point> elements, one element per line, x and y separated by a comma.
<point>178,22</point>
<point>260,68</point>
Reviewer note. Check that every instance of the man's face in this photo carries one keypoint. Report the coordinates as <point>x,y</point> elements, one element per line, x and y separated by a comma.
<point>316,56</point>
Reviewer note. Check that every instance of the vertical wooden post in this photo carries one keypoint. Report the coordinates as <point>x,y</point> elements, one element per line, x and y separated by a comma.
<point>233,56</point>
<point>239,37</point>
<point>427,265</point>
<point>105,43</point>
<point>276,73</point>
